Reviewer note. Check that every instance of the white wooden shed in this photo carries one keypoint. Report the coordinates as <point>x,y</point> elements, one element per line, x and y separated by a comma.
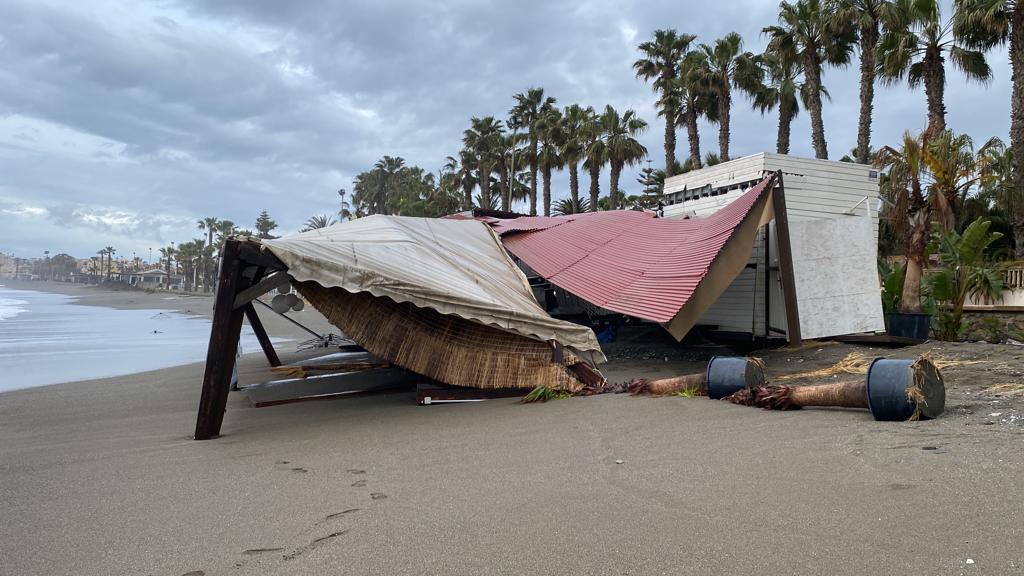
<point>832,209</point>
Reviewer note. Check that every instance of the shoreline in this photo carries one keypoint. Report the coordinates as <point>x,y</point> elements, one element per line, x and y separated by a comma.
<point>285,335</point>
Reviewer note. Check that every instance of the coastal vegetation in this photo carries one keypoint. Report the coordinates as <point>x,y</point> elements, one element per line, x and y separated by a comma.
<point>521,157</point>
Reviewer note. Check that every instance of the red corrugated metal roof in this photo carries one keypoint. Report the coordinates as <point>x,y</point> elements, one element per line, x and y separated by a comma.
<point>626,261</point>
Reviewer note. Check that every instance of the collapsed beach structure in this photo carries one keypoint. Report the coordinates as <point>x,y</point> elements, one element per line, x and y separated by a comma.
<point>444,299</point>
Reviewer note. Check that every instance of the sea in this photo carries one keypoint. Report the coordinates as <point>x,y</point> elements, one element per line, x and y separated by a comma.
<point>48,339</point>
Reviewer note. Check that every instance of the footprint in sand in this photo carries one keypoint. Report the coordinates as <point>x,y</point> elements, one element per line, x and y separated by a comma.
<point>359,483</point>
<point>378,495</point>
<point>356,471</point>
<point>342,513</point>
<point>300,470</point>
<point>253,551</point>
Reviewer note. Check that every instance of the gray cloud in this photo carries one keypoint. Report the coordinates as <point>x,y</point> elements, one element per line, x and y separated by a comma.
<point>124,122</point>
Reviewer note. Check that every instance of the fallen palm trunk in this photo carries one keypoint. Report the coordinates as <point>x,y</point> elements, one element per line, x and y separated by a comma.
<point>894,390</point>
<point>724,376</point>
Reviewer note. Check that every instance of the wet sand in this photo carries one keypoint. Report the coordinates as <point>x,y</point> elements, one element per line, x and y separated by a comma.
<point>101,477</point>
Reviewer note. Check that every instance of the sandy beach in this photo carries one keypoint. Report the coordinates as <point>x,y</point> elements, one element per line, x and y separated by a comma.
<point>102,477</point>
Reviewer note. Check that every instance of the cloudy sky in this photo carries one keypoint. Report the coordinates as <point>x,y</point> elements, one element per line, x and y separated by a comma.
<point>121,123</point>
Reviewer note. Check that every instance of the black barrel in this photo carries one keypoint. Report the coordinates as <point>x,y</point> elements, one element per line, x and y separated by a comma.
<point>893,394</point>
<point>729,374</point>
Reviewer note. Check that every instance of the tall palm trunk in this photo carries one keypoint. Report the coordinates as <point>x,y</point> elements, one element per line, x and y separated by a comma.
<point>208,261</point>
<point>574,185</point>
<point>546,175</point>
<point>670,141</point>
<point>785,122</point>
<point>484,173</point>
<point>1018,238</point>
<point>506,188</point>
<point>812,72</point>
<point>595,186</point>
<point>724,107</point>
<point>1017,119</point>
<point>917,239</point>
<point>533,174</point>
<point>934,87</point>
<point>693,135</point>
<point>613,188</point>
<point>868,42</point>
<point>467,193</point>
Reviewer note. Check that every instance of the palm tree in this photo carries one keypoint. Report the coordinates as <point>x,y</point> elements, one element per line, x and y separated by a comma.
<point>984,24</point>
<point>696,100</point>
<point>728,68</point>
<point>507,153</point>
<point>468,182</point>
<point>996,169</point>
<point>110,259</point>
<point>210,225</point>
<point>573,144</point>
<point>660,61</point>
<point>595,153</point>
<point>482,138</point>
<point>866,17</point>
<point>952,166</point>
<point>529,108</point>
<point>224,229</point>
<point>623,149</point>
<point>914,47</point>
<point>167,254</point>
<point>809,33</point>
<point>783,90</point>
<point>102,252</point>
<point>549,133</point>
<point>924,177</point>
<point>567,206</point>
<point>317,222</point>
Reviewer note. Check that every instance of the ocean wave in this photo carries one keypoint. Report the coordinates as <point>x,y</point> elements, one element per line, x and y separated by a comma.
<point>9,308</point>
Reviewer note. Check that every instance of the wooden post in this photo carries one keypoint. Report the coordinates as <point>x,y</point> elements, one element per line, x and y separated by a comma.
<point>220,355</point>
<point>261,334</point>
<point>786,261</point>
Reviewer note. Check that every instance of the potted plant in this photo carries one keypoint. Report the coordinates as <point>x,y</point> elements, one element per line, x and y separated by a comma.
<point>924,179</point>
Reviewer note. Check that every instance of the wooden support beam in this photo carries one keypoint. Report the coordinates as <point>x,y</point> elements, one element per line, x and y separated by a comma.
<point>265,285</point>
<point>252,253</point>
<point>261,334</point>
<point>786,261</point>
<point>220,354</point>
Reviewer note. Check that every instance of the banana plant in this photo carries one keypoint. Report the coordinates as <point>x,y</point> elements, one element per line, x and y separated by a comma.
<point>966,270</point>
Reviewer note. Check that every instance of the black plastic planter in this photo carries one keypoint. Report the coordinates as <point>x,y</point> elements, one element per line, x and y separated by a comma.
<point>909,325</point>
<point>894,396</point>
<point>729,374</point>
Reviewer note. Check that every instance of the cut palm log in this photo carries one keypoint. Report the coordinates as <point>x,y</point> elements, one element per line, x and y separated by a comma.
<point>894,390</point>
<point>723,376</point>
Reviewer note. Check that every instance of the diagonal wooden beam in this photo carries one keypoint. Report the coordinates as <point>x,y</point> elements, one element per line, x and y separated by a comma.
<point>261,335</point>
<point>786,261</point>
<point>220,354</point>
<point>265,285</point>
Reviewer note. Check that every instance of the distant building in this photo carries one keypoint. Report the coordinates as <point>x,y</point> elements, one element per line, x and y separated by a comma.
<point>151,278</point>
<point>6,265</point>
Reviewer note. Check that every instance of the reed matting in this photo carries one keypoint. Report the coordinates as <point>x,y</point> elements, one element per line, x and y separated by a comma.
<point>446,348</point>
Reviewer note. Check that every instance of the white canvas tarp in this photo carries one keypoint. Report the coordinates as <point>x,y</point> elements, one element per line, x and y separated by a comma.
<point>455,267</point>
